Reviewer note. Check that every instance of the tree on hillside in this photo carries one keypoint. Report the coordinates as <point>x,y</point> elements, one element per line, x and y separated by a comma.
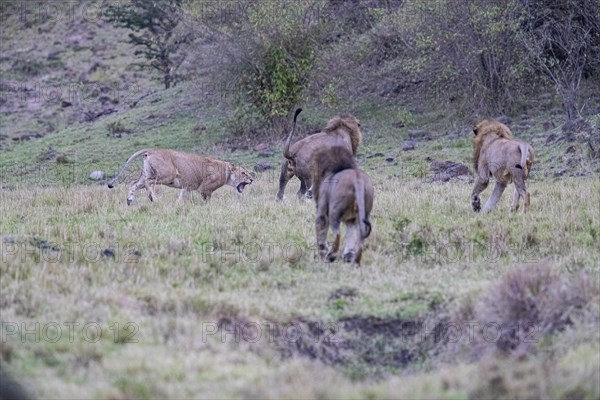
<point>563,39</point>
<point>155,32</point>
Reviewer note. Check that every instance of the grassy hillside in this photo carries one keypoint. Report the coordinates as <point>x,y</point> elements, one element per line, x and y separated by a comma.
<point>226,299</point>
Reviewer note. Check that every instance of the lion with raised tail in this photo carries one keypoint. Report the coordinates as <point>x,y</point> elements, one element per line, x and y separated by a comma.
<point>342,130</point>
<point>183,171</point>
<point>496,154</point>
<point>342,193</point>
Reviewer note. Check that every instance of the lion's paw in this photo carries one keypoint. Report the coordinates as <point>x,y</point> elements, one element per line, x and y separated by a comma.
<point>348,257</point>
<point>476,202</point>
<point>331,257</point>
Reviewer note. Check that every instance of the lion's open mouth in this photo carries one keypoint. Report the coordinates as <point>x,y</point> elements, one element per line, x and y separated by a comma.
<point>240,187</point>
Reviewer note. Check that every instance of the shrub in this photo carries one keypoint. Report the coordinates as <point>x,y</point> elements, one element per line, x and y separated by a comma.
<point>529,303</point>
<point>271,47</point>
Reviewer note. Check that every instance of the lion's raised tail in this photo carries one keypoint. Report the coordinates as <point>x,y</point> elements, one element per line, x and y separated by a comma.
<point>363,223</point>
<point>524,155</point>
<point>129,160</point>
<point>286,149</point>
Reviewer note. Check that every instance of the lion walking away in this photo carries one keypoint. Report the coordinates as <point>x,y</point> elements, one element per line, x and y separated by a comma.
<point>183,171</point>
<point>496,154</point>
<point>342,193</point>
<point>342,130</point>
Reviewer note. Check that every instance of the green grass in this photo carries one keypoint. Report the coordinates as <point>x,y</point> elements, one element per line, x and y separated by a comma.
<point>72,251</point>
<point>178,268</point>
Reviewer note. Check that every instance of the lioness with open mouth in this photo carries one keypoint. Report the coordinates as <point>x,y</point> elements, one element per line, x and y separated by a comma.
<point>183,171</point>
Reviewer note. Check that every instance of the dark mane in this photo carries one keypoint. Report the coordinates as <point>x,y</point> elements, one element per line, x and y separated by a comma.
<point>329,162</point>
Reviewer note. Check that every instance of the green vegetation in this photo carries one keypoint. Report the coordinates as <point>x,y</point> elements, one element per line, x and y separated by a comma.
<point>226,299</point>
<point>184,273</point>
<point>160,40</point>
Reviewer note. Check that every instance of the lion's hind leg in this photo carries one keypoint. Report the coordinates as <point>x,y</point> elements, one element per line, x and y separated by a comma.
<point>335,247</point>
<point>335,220</point>
<point>352,234</point>
<point>321,226</point>
<point>496,194</point>
<point>303,192</point>
<point>481,183</point>
<point>287,172</point>
<point>140,183</point>
<point>515,203</point>
<point>520,192</point>
<point>150,186</point>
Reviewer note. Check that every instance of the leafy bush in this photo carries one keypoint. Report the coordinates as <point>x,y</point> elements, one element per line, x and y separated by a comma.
<point>271,47</point>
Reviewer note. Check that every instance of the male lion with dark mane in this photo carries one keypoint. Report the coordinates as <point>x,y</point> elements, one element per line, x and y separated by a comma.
<point>496,154</point>
<point>342,193</point>
<point>342,130</point>
<point>183,171</point>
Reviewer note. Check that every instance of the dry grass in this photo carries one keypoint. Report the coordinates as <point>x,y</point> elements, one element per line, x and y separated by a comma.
<point>79,254</point>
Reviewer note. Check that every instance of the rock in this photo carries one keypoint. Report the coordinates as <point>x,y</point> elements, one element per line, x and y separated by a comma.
<point>418,134</point>
<point>108,253</point>
<point>97,175</point>
<point>504,119</point>
<point>548,125</point>
<point>62,159</point>
<point>65,104</point>
<point>75,39</point>
<point>575,149</point>
<point>54,55</point>
<point>390,159</point>
<point>261,147</point>
<point>408,145</point>
<point>443,171</point>
<point>263,166</point>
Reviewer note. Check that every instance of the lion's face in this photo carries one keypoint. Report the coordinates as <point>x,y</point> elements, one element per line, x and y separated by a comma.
<point>239,177</point>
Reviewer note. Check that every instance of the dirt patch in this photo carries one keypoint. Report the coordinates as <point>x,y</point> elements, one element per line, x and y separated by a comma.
<point>363,346</point>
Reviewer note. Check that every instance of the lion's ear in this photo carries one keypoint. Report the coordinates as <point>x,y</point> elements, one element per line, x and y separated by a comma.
<point>232,167</point>
<point>475,130</point>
